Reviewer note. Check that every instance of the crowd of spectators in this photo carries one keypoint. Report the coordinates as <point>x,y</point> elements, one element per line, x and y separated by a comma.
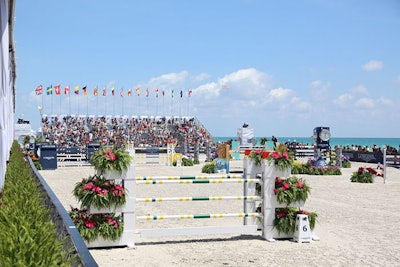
<point>140,131</point>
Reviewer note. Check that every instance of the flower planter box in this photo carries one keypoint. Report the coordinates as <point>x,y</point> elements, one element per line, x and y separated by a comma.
<point>112,209</point>
<point>102,243</point>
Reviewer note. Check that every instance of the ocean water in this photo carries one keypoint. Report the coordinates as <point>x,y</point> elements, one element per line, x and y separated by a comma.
<point>334,141</point>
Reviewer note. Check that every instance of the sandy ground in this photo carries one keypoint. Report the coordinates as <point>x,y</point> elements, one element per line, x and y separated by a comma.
<point>359,224</point>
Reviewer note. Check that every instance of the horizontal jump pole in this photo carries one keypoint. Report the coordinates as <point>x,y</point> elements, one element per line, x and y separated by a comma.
<point>206,198</point>
<point>198,177</point>
<point>206,230</point>
<point>209,181</point>
<point>198,216</point>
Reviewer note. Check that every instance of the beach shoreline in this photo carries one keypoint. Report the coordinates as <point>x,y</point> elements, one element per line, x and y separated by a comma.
<point>357,223</point>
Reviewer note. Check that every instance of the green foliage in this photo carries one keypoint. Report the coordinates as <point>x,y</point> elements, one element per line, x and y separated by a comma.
<point>362,176</point>
<point>291,190</point>
<point>99,192</point>
<point>285,219</point>
<point>93,226</point>
<point>209,168</point>
<point>346,164</point>
<point>111,159</point>
<point>187,162</point>
<point>309,169</point>
<point>196,161</point>
<point>27,236</point>
<point>37,164</point>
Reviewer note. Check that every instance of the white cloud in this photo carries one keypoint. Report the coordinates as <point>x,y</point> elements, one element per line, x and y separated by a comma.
<point>169,79</point>
<point>278,94</point>
<point>361,89</point>
<point>365,103</point>
<point>343,100</point>
<point>246,83</point>
<point>373,65</point>
<point>300,104</point>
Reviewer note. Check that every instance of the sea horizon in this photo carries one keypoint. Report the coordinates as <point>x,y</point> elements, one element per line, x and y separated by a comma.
<point>334,141</point>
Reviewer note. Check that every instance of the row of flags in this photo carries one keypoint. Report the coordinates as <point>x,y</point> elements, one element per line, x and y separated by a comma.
<point>67,90</point>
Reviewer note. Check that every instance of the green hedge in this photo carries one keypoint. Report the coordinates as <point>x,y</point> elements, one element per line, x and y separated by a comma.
<point>27,235</point>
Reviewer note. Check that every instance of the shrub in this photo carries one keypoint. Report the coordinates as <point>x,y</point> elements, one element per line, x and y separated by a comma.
<point>27,235</point>
<point>209,168</point>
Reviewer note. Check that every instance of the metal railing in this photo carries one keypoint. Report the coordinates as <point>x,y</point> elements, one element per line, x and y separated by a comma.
<point>65,227</point>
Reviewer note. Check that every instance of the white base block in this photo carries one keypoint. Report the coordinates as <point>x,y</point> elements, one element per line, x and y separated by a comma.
<point>245,229</point>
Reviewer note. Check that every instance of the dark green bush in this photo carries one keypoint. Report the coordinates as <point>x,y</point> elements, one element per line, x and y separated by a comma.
<point>27,235</point>
<point>209,168</point>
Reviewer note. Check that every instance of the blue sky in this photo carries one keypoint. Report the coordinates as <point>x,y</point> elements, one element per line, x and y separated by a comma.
<point>283,67</point>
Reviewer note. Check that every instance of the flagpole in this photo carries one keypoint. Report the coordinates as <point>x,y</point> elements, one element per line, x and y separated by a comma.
<point>97,100</point>
<point>59,113</point>
<point>51,100</point>
<point>87,104</point>
<point>69,100</point>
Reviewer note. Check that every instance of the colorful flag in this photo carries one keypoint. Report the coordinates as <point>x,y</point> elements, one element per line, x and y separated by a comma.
<point>57,88</point>
<point>84,90</point>
<point>121,93</point>
<point>95,91</point>
<point>181,93</point>
<point>138,91</point>
<point>77,90</point>
<point>49,90</point>
<point>157,93</point>
<point>190,93</point>
<point>163,92</point>
<point>112,91</point>
<point>66,90</point>
<point>129,92</point>
<point>172,93</point>
<point>104,92</point>
<point>38,90</point>
<point>147,92</point>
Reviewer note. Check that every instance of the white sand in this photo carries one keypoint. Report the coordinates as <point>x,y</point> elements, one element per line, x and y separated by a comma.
<point>359,224</point>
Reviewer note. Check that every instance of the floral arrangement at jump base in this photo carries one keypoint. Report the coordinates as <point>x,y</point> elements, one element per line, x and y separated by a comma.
<point>92,226</point>
<point>280,158</point>
<point>99,192</point>
<point>365,175</point>
<point>285,219</point>
<point>291,190</point>
<point>111,159</point>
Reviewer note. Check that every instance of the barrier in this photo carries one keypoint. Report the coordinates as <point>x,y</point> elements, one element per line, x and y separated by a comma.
<point>253,219</point>
<point>388,161</point>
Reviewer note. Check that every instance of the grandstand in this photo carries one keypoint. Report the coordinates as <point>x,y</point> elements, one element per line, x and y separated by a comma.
<point>77,131</point>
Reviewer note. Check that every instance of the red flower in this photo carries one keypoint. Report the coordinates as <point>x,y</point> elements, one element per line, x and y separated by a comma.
<point>264,154</point>
<point>286,155</point>
<point>247,152</point>
<point>299,184</point>
<point>281,214</point>
<point>275,191</point>
<point>278,180</point>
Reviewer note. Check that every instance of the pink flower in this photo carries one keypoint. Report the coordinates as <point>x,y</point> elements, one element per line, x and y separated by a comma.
<point>105,191</point>
<point>278,180</point>
<point>108,152</point>
<point>90,224</point>
<point>286,185</point>
<point>286,155</point>
<point>299,184</point>
<point>113,157</point>
<point>275,191</point>
<point>275,155</point>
